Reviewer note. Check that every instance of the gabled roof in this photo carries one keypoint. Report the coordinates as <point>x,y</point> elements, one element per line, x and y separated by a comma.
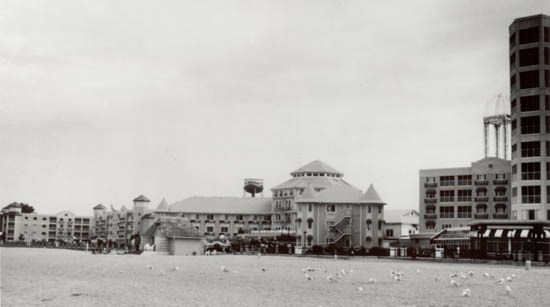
<point>316,167</point>
<point>333,195</point>
<point>403,216</point>
<point>163,206</point>
<point>227,205</point>
<point>142,198</point>
<point>372,197</point>
<point>309,195</point>
<point>100,206</point>
<point>13,205</point>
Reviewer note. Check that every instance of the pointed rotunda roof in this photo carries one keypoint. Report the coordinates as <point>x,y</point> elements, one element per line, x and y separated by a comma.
<point>100,206</point>
<point>163,206</point>
<point>372,197</point>
<point>317,167</point>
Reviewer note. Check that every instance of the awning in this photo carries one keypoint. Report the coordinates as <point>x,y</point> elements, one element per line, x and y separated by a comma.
<point>498,233</point>
<point>473,234</point>
<point>547,233</point>
<point>486,233</point>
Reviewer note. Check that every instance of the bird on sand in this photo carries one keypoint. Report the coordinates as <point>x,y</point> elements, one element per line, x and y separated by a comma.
<point>466,292</point>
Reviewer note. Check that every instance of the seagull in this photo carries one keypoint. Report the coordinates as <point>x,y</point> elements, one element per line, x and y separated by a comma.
<point>500,281</point>
<point>235,271</point>
<point>224,269</point>
<point>331,279</point>
<point>454,283</point>
<point>350,271</point>
<point>120,272</point>
<point>149,267</point>
<point>372,280</point>
<point>453,275</point>
<point>509,278</point>
<point>263,270</point>
<point>466,292</point>
<point>485,274</point>
<point>471,273</point>
<point>513,275</point>
<point>176,268</point>
<point>360,289</point>
<point>463,276</point>
<point>417,271</point>
<point>508,289</point>
<point>161,272</point>
<point>309,277</point>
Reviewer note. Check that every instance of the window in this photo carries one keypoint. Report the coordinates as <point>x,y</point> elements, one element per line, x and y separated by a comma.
<point>447,181</point>
<point>514,124</point>
<point>446,196</point>
<point>446,212</point>
<point>514,151</point>
<point>530,35</point>
<point>430,194</point>
<point>464,212</point>
<point>514,191</point>
<point>513,105</point>
<point>445,226</point>
<point>512,59</point>
<point>331,208</point>
<point>309,208</point>
<point>546,56</point>
<point>530,194</point>
<point>529,79</point>
<point>530,149</point>
<point>369,209</point>
<point>530,171</point>
<point>309,223</point>
<point>465,180</point>
<point>547,78</point>
<point>239,217</point>
<point>512,40</point>
<point>464,195</point>
<point>197,216</point>
<point>225,229</point>
<point>547,123</point>
<point>380,209</point>
<point>529,103</point>
<point>528,57</point>
<point>210,216</point>
<point>209,229</point>
<point>547,170</point>
<point>548,194</point>
<point>530,124</point>
<point>389,232</point>
<point>532,214</point>
<point>546,34</point>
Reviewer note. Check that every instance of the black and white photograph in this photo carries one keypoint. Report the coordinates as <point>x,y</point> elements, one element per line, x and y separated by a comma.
<point>262,153</point>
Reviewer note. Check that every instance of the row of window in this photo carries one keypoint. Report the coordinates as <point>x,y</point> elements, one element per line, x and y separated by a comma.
<point>464,195</point>
<point>460,180</point>
<point>531,170</point>
<point>530,35</point>
<point>531,124</point>
<point>530,79</point>
<point>226,217</point>
<point>529,57</point>
<point>530,103</point>
<point>531,194</point>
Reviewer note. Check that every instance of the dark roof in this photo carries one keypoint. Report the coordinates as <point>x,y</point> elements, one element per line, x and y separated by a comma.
<point>142,198</point>
<point>13,205</point>
<point>100,206</point>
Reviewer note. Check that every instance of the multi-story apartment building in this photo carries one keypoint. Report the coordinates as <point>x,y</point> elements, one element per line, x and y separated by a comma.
<point>228,216</point>
<point>119,226</point>
<point>321,208</point>
<point>64,226</point>
<point>530,115</point>
<point>454,197</point>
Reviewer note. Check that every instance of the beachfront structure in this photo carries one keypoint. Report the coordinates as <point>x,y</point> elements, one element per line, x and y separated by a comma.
<point>400,224</point>
<point>171,235</point>
<point>455,197</point>
<point>529,52</point>
<point>317,207</point>
<point>119,226</point>
<point>227,216</point>
<point>64,226</point>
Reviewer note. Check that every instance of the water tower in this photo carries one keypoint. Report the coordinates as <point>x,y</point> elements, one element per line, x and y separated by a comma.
<point>499,119</point>
<point>253,186</point>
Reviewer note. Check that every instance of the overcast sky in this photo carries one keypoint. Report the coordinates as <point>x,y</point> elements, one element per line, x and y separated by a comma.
<point>101,101</point>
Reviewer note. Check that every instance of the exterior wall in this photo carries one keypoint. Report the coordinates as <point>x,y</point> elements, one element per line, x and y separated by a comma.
<point>185,247</point>
<point>523,207</point>
<point>489,177</point>
<point>231,223</point>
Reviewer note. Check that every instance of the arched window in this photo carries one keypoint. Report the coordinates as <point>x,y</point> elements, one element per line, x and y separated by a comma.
<point>309,223</point>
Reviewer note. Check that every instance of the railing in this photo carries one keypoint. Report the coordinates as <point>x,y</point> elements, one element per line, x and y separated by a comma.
<point>342,215</point>
<point>500,198</point>
<point>430,200</point>
<point>341,233</point>
<point>481,198</point>
<point>500,215</point>
<point>430,216</point>
<point>481,215</point>
<point>500,181</point>
<point>430,184</point>
<point>481,182</point>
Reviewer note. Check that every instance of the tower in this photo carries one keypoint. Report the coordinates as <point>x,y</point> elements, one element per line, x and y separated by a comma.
<point>530,116</point>
<point>253,186</point>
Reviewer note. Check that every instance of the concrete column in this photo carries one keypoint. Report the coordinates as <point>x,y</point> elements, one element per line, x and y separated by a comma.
<point>497,139</point>
<point>485,138</point>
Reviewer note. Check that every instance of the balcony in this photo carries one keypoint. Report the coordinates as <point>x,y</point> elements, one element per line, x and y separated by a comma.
<point>500,198</point>
<point>430,216</point>
<point>430,184</point>
<point>430,200</point>
<point>483,199</point>
<point>481,182</point>
<point>481,216</point>
<point>500,216</point>
<point>500,181</point>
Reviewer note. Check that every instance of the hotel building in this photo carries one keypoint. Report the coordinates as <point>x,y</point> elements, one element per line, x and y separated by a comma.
<point>64,226</point>
<point>530,115</point>
<point>455,197</point>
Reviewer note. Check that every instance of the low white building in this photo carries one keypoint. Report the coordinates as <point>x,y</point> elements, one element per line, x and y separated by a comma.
<point>400,224</point>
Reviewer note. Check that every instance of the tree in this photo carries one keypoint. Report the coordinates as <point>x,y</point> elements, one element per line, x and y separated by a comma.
<point>26,208</point>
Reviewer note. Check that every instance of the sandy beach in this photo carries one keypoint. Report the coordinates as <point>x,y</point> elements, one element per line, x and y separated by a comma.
<point>47,277</point>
